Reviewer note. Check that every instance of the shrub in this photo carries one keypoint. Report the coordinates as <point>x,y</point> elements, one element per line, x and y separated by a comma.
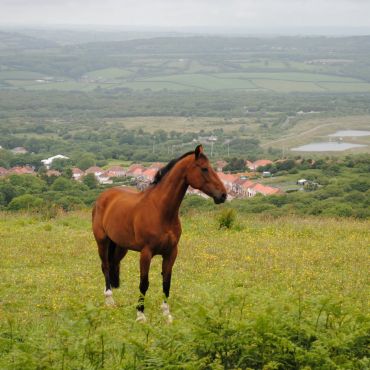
<point>226,218</point>
<point>26,201</point>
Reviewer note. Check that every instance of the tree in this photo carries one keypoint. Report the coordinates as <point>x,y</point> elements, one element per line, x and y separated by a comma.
<point>90,181</point>
<point>86,161</point>
<point>61,184</point>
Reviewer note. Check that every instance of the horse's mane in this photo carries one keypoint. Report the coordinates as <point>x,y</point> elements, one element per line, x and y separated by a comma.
<point>167,168</point>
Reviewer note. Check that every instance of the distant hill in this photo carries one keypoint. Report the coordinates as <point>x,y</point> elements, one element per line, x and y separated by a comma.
<point>13,41</point>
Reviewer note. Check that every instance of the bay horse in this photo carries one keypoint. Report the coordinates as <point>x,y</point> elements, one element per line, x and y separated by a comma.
<point>148,222</point>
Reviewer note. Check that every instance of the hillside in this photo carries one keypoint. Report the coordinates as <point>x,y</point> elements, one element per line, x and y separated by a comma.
<point>282,293</point>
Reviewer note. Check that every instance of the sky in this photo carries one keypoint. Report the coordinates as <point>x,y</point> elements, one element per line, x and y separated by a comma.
<point>221,14</point>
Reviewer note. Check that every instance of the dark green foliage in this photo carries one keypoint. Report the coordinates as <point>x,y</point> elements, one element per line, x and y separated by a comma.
<point>25,202</point>
<point>90,181</point>
<point>235,165</point>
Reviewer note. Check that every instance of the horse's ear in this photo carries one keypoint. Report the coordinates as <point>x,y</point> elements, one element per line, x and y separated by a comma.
<point>198,151</point>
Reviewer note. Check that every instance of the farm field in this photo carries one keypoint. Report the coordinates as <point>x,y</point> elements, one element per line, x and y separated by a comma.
<point>318,129</point>
<point>109,78</point>
<point>282,293</point>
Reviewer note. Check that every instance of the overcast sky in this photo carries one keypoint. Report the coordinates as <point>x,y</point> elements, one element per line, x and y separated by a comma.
<point>248,14</point>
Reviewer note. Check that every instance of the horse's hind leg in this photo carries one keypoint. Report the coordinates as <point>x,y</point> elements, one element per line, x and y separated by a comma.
<point>145,259</point>
<point>103,249</point>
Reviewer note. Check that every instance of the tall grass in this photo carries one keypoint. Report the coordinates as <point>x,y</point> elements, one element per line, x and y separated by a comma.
<point>274,294</point>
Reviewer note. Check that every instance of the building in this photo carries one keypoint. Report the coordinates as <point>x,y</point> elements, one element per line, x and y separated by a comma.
<point>22,170</point>
<point>53,173</point>
<point>3,171</point>
<point>135,170</point>
<point>48,162</point>
<point>220,165</point>
<point>115,171</point>
<point>260,163</point>
<point>77,174</point>
<point>227,180</point>
<point>19,150</point>
<point>96,171</point>
<point>149,174</point>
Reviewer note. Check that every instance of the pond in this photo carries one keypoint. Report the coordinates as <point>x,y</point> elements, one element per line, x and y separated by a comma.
<point>326,147</point>
<point>350,133</point>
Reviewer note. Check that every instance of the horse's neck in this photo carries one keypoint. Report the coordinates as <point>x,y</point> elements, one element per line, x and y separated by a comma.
<point>170,191</point>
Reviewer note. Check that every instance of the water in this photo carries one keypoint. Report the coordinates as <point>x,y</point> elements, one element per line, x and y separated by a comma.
<point>350,133</point>
<point>326,147</point>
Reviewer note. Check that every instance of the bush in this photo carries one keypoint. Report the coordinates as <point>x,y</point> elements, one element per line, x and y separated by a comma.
<point>226,218</point>
<point>26,201</point>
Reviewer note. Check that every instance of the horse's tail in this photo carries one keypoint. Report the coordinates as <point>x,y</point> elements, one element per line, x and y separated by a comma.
<point>113,265</point>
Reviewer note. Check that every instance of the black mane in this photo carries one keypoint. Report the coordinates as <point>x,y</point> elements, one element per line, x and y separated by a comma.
<point>167,168</point>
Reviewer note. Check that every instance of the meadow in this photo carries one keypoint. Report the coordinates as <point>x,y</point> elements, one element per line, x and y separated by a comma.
<point>269,293</point>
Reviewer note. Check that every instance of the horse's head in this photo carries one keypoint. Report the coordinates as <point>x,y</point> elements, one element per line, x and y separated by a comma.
<point>202,176</point>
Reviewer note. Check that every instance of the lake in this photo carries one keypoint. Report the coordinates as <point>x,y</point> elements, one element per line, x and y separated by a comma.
<point>350,133</point>
<point>326,147</point>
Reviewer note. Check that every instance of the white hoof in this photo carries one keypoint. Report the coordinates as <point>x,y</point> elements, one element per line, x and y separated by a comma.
<point>109,301</point>
<point>140,317</point>
<point>166,312</point>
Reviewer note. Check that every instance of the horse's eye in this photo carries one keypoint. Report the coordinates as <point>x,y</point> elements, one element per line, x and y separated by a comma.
<point>204,169</point>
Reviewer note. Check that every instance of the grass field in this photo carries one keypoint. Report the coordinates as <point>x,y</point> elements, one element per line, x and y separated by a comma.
<point>317,129</point>
<point>204,79</point>
<point>270,293</point>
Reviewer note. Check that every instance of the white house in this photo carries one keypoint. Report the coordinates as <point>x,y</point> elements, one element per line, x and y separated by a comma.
<point>47,162</point>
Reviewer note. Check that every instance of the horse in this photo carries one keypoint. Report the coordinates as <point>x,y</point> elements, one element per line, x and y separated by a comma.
<point>148,222</point>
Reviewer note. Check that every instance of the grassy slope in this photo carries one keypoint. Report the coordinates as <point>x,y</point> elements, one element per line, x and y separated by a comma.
<point>285,290</point>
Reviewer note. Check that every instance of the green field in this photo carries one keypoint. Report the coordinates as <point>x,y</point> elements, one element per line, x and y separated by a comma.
<point>109,78</point>
<point>269,294</point>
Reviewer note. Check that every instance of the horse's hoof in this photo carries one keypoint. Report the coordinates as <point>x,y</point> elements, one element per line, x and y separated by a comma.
<point>109,301</point>
<point>140,317</point>
<point>166,312</point>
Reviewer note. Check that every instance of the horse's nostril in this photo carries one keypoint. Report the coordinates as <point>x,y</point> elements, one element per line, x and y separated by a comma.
<point>224,196</point>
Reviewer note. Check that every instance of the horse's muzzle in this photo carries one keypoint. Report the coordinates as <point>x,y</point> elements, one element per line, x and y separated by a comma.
<point>220,199</point>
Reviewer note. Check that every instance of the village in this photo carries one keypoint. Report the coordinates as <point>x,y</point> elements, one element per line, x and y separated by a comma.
<point>238,185</point>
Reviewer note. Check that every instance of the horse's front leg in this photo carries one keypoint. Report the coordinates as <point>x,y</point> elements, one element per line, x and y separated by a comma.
<point>167,264</point>
<point>145,259</point>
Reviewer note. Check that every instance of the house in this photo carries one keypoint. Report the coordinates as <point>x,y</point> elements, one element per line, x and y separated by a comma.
<point>220,165</point>
<point>53,173</point>
<point>264,190</point>
<point>246,188</point>
<point>19,150</point>
<point>260,163</point>
<point>115,171</point>
<point>135,170</point>
<point>77,174</point>
<point>21,170</point>
<point>97,171</point>
<point>302,182</point>
<point>149,174</point>
<point>156,165</point>
<point>47,162</point>
<point>227,180</point>
<point>3,171</point>
<point>103,178</point>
